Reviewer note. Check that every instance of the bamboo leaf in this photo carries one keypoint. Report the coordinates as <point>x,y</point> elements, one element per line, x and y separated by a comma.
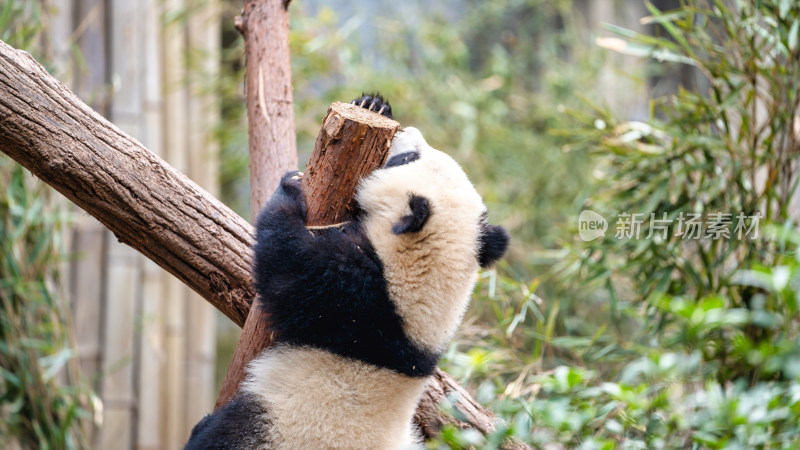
<point>783,8</point>
<point>669,25</point>
<point>794,35</point>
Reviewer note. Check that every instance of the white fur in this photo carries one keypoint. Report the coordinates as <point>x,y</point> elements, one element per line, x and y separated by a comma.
<point>319,400</point>
<point>431,273</point>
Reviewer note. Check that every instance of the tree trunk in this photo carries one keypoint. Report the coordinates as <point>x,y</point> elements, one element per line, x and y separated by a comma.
<point>148,204</point>
<point>270,108</point>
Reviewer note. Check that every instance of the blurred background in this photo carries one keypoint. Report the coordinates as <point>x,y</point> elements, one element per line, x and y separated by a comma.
<point>674,108</point>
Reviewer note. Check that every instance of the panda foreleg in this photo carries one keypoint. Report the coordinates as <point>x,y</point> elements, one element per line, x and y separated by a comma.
<point>281,223</point>
<point>288,200</point>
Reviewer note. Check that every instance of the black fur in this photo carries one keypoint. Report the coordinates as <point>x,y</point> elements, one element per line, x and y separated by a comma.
<point>374,102</point>
<point>325,288</point>
<point>420,212</point>
<point>235,425</point>
<point>494,241</point>
<point>401,159</point>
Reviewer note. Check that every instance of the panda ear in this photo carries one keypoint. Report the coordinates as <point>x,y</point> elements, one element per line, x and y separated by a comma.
<point>494,241</point>
<point>420,212</point>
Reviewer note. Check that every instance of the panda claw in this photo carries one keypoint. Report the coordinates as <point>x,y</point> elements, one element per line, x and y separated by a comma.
<point>374,102</point>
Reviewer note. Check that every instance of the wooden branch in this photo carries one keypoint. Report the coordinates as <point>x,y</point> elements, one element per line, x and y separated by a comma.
<point>352,143</point>
<point>145,202</point>
<point>430,419</point>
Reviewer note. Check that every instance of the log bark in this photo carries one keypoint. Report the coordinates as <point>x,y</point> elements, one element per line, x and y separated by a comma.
<point>145,202</point>
<point>352,143</point>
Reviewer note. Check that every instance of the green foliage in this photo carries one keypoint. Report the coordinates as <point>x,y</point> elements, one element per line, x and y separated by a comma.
<point>681,343</point>
<point>662,393</point>
<point>36,410</point>
<point>728,147</point>
<point>20,23</point>
<point>43,403</point>
<point>660,401</point>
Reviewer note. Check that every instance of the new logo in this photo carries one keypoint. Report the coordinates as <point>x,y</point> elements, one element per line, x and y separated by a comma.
<point>591,225</point>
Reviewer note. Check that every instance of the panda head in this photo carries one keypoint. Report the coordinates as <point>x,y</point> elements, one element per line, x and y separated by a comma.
<point>429,228</point>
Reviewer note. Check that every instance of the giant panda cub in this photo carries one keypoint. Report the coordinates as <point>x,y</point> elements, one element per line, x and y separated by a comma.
<point>362,310</point>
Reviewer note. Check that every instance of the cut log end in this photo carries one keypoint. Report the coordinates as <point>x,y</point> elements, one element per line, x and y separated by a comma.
<point>363,116</point>
<point>352,143</point>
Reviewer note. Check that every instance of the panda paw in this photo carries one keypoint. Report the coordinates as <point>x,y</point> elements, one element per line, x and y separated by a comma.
<point>374,102</point>
<point>292,191</point>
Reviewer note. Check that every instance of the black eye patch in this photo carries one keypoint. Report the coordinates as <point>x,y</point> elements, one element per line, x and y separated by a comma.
<point>420,212</point>
<point>401,159</point>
